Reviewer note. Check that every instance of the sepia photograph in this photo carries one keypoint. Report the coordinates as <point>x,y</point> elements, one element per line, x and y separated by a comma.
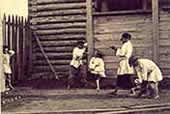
<point>85,56</point>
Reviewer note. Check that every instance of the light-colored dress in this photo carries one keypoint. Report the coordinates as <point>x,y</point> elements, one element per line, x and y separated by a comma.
<point>125,52</point>
<point>147,70</point>
<point>96,66</point>
<point>6,62</point>
<point>77,57</point>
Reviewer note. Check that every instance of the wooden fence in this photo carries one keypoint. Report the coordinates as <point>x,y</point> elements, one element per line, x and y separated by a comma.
<point>18,37</point>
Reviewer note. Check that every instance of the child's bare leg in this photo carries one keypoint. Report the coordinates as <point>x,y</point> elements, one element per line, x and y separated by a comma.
<point>154,90</point>
<point>98,84</point>
<point>9,81</point>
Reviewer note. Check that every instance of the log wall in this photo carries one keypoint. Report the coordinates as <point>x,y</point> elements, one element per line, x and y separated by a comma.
<point>59,24</point>
<point>108,30</point>
<point>164,54</point>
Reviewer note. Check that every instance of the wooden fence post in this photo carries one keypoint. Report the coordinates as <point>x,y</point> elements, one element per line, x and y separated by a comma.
<point>30,49</point>
<point>155,27</point>
<point>89,28</point>
<point>2,81</point>
<point>8,31</point>
<point>12,40</point>
<point>4,30</point>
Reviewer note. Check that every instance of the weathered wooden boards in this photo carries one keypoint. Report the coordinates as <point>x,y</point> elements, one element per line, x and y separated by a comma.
<point>164,54</point>
<point>59,24</point>
<point>108,30</point>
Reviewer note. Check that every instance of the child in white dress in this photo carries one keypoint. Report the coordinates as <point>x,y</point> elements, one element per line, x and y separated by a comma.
<point>97,68</point>
<point>7,54</point>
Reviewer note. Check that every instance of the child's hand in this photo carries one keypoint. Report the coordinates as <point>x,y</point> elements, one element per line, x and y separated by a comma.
<point>137,81</point>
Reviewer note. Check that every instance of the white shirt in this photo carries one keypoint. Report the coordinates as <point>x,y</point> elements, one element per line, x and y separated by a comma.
<point>126,51</point>
<point>148,71</point>
<point>96,66</point>
<point>77,57</point>
<point>6,62</point>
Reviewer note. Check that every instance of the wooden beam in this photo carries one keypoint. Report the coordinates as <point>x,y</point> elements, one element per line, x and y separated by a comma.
<point>144,4</point>
<point>89,28</point>
<point>155,25</point>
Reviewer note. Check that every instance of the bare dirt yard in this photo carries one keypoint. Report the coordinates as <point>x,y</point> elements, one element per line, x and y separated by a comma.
<point>48,97</point>
<point>62,100</point>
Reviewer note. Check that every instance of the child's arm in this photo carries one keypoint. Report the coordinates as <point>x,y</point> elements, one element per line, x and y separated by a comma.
<point>11,52</point>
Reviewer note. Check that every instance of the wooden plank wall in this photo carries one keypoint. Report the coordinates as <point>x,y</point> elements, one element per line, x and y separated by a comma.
<point>108,30</point>
<point>164,57</point>
<point>59,24</point>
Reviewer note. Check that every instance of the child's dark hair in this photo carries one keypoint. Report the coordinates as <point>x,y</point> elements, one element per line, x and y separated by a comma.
<point>5,47</point>
<point>80,43</point>
<point>132,60</point>
<point>126,36</point>
<point>99,55</point>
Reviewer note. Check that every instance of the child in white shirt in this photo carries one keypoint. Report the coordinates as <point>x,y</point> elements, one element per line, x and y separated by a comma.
<point>7,54</point>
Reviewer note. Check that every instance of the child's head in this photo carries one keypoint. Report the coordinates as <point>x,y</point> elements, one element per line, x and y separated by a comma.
<point>125,37</point>
<point>5,49</point>
<point>133,61</point>
<point>98,54</point>
<point>80,44</point>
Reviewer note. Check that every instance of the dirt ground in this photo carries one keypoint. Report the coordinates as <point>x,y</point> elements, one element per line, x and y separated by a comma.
<point>52,100</point>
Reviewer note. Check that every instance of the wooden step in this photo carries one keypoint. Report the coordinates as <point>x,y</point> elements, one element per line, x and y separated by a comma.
<point>59,26</point>
<point>62,12</point>
<point>48,7</point>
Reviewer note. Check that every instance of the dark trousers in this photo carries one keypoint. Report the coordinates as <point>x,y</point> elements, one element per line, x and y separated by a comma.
<point>125,81</point>
<point>77,76</point>
<point>8,81</point>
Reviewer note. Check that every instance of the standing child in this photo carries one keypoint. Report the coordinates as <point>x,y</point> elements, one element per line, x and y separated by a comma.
<point>124,72</point>
<point>96,68</point>
<point>7,54</point>
<point>76,63</point>
<point>149,75</point>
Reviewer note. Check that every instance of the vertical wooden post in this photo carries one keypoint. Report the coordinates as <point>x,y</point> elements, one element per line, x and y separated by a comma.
<point>2,79</point>
<point>89,28</point>
<point>155,27</point>
<point>144,4</point>
<point>4,29</point>
<point>12,40</point>
<point>21,46</point>
<point>9,28</point>
<point>30,49</point>
<point>17,48</point>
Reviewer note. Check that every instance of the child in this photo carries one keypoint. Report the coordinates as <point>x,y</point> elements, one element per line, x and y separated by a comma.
<point>76,62</point>
<point>124,72</point>
<point>7,54</point>
<point>149,75</point>
<point>96,68</point>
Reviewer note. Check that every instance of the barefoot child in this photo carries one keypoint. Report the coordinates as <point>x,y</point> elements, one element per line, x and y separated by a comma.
<point>149,75</point>
<point>96,68</point>
<point>7,54</point>
<point>124,72</point>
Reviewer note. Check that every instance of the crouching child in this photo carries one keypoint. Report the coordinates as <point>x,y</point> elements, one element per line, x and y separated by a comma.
<point>149,76</point>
